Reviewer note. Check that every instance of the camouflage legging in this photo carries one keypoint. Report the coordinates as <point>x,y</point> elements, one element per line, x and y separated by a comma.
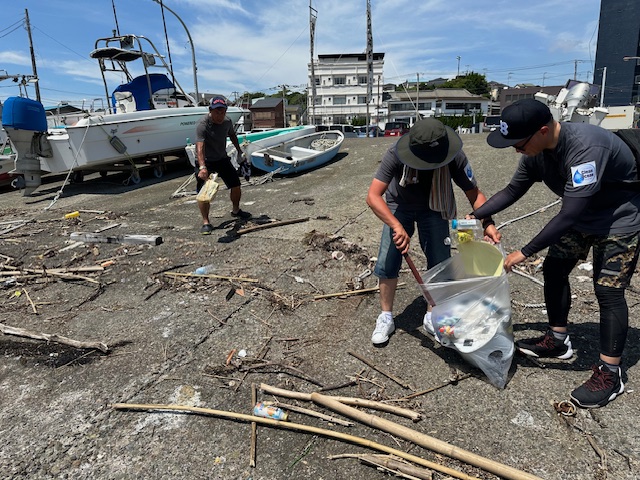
<point>614,262</point>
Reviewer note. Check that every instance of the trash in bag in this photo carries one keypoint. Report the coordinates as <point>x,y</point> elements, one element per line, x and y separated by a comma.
<point>472,312</point>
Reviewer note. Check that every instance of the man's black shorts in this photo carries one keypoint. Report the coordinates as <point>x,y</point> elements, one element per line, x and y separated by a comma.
<point>225,170</point>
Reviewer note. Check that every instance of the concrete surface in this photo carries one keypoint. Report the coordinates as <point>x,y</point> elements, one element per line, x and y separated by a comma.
<point>170,338</point>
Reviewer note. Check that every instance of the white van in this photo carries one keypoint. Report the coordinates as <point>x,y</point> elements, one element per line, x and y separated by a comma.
<point>349,131</point>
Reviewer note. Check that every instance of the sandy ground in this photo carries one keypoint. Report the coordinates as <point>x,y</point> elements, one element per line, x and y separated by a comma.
<point>171,338</point>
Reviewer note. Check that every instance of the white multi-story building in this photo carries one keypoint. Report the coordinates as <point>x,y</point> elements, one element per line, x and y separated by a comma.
<point>341,89</point>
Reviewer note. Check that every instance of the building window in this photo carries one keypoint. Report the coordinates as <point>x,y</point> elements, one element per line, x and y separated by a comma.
<point>362,99</point>
<point>362,80</point>
<point>455,106</point>
<point>317,82</point>
<point>339,100</point>
<point>340,119</point>
<point>339,80</point>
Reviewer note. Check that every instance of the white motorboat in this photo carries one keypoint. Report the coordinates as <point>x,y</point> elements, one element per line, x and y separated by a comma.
<point>150,116</point>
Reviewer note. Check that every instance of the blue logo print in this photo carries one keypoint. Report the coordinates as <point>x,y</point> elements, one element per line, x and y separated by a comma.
<point>469,172</point>
<point>578,178</point>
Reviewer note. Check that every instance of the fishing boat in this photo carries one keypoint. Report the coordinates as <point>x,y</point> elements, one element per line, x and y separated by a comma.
<point>250,142</point>
<point>299,154</point>
<point>149,116</point>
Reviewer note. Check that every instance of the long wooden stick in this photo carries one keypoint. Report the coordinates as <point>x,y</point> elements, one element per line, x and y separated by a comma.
<point>271,225</point>
<point>422,439</point>
<point>357,402</point>
<point>295,426</point>
<point>352,292</point>
<point>20,332</point>
<point>210,275</point>
<point>383,372</point>
<point>311,413</point>
<point>254,427</point>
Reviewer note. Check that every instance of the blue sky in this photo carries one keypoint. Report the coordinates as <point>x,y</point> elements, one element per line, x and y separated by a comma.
<point>257,45</point>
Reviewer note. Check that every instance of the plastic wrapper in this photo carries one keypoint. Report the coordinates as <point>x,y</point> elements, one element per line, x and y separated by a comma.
<point>472,314</point>
<point>209,189</point>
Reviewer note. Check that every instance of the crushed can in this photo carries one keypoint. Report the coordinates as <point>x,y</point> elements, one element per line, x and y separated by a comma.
<point>269,411</point>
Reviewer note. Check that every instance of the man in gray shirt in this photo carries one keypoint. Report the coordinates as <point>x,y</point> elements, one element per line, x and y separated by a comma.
<point>590,168</point>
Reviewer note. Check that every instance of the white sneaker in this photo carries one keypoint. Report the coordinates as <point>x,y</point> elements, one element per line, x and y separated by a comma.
<point>428,327</point>
<point>384,327</point>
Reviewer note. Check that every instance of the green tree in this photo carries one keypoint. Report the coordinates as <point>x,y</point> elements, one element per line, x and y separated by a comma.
<point>473,82</point>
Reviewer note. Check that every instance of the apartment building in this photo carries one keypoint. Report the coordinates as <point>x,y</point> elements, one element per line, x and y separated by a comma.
<point>341,89</point>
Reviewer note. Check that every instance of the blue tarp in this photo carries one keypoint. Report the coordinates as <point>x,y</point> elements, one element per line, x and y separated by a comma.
<point>140,89</point>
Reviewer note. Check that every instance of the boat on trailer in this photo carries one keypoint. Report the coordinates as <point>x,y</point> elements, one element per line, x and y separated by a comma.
<point>150,116</point>
<point>299,154</point>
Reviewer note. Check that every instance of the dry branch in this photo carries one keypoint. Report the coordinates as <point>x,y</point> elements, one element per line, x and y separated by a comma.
<point>294,426</point>
<point>20,332</point>
<point>422,439</point>
<point>352,292</point>
<point>357,402</point>
<point>210,275</point>
<point>380,370</point>
<point>271,225</point>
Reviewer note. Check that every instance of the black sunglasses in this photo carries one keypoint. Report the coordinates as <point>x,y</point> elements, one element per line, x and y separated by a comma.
<point>520,148</point>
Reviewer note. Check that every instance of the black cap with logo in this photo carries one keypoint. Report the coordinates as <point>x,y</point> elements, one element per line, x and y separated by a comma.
<point>518,121</point>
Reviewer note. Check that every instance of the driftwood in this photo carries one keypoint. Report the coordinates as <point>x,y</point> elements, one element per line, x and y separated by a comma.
<point>389,464</point>
<point>380,370</point>
<point>311,413</point>
<point>357,402</point>
<point>130,239</point>
<point>352,292</point>
<point>271,225</point>
<point>295,426</point>
<point>20,332</point>
<point>210,275</point>
<point>438,446</point>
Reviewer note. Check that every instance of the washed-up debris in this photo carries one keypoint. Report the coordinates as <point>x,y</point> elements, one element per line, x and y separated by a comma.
<point>353,292</point>
<point>20,332</point>
<point>272,224</point>
<point>333,243</point>
<point>390,376</point>
<point>133,239</point>
<point>390,464</point>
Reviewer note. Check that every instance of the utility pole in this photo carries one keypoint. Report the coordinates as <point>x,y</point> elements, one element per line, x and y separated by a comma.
<point>604,78</point>
<point>313,15</point>
<point>417,96</point>
<point>369,65</point>
<point>458,57</point>
<point>33,56</point>
<point>284,100</point>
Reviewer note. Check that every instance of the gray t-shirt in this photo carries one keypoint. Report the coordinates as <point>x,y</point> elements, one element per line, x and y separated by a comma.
<point>415,196</point>
<point>588,162</point>
<point>214,136</point>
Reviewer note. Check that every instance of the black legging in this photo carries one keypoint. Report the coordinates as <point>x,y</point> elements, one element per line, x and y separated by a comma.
<point>614,313</point>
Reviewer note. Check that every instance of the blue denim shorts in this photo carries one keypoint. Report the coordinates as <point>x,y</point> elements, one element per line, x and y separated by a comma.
<point>433,231</point>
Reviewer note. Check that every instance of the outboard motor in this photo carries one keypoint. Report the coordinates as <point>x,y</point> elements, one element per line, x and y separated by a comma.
<point>24,120</point>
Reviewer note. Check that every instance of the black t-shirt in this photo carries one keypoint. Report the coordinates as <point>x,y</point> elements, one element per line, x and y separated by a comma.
<point>214,136</point>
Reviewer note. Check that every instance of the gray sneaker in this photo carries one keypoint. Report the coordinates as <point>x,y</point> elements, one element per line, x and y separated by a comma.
<point>384,328</point>
<point>428,328</point>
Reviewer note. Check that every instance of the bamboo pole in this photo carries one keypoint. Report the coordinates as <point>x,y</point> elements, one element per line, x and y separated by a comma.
<point>357,402</point>
<point>298,427</point>
<point>271,225</point>
<point>422,439</point>
<point>352,292</point>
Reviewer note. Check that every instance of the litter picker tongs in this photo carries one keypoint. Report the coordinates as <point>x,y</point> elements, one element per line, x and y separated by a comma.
<point>416,274</point>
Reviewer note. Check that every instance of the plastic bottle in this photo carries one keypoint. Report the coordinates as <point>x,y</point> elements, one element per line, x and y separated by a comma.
<point>468,229</point>
<point>188,142</point>
<point>269,411</point>
<point>205,270</point>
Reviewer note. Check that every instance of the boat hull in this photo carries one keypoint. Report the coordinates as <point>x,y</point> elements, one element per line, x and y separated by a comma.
<point>300,154</point>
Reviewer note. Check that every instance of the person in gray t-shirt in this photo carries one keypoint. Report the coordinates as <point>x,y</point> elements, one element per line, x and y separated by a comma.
<point>594,172</point>
<point>412,187</point>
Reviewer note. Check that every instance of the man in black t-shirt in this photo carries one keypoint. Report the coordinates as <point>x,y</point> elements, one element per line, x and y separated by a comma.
<point>588,167</point>
<point>211,150</point>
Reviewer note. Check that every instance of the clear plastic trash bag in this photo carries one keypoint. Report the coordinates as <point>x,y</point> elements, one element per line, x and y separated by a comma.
<point>472,312</point>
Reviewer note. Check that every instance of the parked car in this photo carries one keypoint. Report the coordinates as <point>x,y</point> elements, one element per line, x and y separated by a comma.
<point>374,131</point>
<point>491,123</point>
<point>395,129</point>
<point>348,130</point>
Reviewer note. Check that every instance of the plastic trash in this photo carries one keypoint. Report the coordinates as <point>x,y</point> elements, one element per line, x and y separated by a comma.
<point>269,411</point>
<point>205,270</point>
<point>468,229</point>
<point>472,312</point>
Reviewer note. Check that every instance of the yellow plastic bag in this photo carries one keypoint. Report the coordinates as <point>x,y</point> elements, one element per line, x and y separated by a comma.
<point>209,189</point>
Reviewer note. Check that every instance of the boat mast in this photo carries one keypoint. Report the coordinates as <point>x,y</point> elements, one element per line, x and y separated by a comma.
<point>313,14</point>
<point>33,56</point>
<point>369,64</point>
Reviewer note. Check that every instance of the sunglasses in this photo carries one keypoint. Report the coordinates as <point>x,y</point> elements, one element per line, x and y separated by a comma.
<point>520,147</point>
